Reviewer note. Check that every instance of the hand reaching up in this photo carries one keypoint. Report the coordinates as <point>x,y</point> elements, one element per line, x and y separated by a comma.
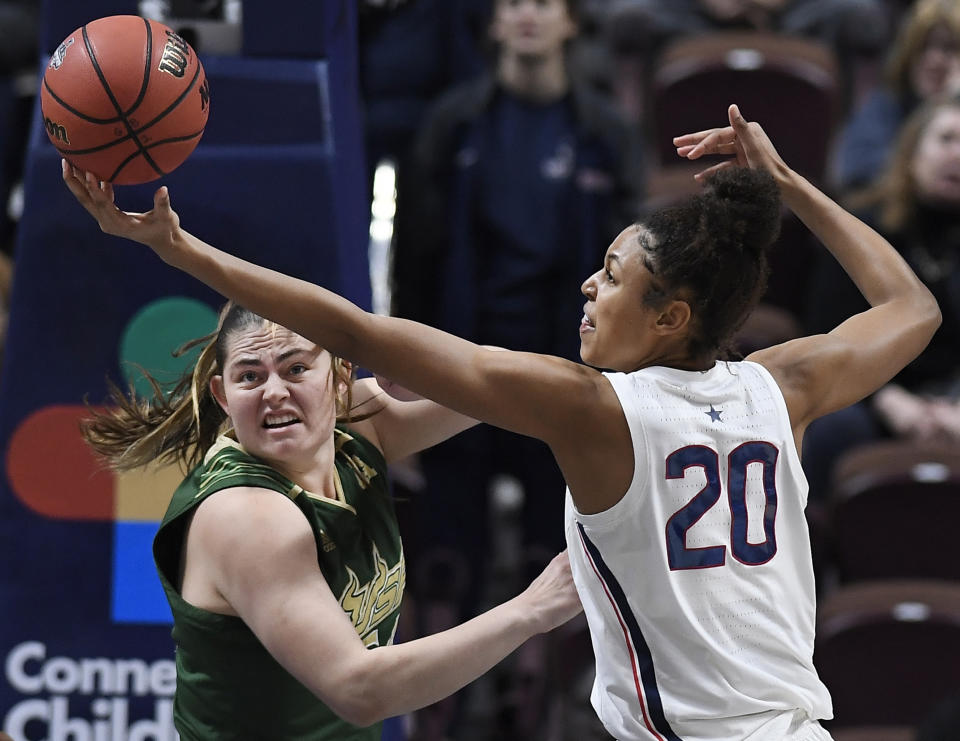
<point>155,228</point>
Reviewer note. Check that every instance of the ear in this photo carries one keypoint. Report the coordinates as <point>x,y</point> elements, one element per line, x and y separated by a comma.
<point>674,318</point>
<point>216,388</point>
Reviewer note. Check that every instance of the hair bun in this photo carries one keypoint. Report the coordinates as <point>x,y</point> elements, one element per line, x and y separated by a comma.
<point>742,207</point>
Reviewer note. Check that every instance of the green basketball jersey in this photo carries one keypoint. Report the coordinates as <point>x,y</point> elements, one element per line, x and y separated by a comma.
<point>228,686</point>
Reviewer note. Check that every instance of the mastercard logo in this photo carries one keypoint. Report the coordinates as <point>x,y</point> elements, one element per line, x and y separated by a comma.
<point>80,488</point>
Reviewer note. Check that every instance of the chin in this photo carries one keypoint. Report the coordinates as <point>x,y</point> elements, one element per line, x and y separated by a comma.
<point>590,359</point>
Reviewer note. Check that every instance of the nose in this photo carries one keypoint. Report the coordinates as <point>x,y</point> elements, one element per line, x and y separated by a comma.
<point>589,287</point>
<point>275,389</point>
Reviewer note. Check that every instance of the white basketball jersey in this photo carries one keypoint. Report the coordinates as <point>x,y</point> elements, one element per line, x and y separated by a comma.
<point>698,585</point>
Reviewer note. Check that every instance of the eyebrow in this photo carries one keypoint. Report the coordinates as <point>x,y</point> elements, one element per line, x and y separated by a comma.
<point>251,361</point>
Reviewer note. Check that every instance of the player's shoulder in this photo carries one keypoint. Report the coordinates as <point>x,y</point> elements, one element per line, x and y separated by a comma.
<point>248,519</point>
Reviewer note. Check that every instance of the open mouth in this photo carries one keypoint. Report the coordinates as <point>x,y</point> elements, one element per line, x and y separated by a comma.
<point>279,421</point>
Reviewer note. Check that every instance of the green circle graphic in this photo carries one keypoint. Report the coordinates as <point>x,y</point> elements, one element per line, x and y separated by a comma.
<point>155,332</point>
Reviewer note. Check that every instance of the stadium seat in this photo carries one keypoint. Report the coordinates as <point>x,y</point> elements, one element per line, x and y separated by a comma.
<point>292,95</point>
<point>888,651</point>
<point>786,83</point>
<point>894,505</point>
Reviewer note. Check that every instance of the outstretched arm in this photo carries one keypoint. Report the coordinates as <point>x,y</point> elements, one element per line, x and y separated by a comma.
<point>564,404</point>
<point>534,395</point>
<point>823,373</point>
<point>401,423</point>
<point>257,552</point>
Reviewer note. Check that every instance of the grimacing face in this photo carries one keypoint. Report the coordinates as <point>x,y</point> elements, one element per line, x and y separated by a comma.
<point>277,389</point>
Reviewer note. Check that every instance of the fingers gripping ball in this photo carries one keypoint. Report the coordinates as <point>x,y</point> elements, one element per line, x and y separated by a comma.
<point>125,98</point>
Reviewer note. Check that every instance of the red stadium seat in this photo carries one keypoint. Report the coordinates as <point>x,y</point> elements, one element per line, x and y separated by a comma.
<point>894,507</point>
<point>788,84</point>
<point>888,651</point>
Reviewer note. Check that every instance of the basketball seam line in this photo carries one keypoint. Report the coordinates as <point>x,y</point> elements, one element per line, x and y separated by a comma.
<point>151,145</point>
<point>75,112</point>
<point>133,134</point>
<point>116,104</point>
<point>146,71</point>
<point>179,99</point>
<point>157,144</point>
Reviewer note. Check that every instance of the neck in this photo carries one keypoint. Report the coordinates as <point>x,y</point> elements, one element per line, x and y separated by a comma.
<point>679,360</point>
<point>315,475</point>
<point>540,79</point>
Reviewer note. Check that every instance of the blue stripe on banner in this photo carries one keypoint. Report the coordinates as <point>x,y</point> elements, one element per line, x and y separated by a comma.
<point>137,594</point>
<point>644,658</point>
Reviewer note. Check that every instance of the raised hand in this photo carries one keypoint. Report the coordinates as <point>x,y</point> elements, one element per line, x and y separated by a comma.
<point>155,228</point>
<point>744,141</point>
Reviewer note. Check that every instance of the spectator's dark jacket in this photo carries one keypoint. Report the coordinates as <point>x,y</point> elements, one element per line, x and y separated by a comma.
<point>434,263</point>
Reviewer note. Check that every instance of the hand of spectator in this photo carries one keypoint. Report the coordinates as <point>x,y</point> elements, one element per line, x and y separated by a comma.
<point>907,415</point>
<point>946,416</point>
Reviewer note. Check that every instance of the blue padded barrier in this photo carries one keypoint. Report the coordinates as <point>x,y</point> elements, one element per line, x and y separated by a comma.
<point>257,102</point>
<point>305,33</point>
<point>279,179</point>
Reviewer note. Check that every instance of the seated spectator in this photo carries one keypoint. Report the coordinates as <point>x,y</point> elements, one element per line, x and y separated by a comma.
<point>916,206</point>
<point>924,62</point>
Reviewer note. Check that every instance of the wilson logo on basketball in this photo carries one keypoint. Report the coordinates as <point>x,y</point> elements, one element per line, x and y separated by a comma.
<point>176,54</point>
<point>56,131</point>
<point>204,94</point>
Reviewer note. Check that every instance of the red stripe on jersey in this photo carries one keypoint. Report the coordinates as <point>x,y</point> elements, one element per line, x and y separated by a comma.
<point>626,637</point>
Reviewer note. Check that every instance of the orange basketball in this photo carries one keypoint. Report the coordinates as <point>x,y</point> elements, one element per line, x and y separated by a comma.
<point>125,98</point>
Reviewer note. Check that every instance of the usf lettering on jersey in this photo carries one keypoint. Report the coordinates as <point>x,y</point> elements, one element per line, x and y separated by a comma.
<point>370,604</point>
